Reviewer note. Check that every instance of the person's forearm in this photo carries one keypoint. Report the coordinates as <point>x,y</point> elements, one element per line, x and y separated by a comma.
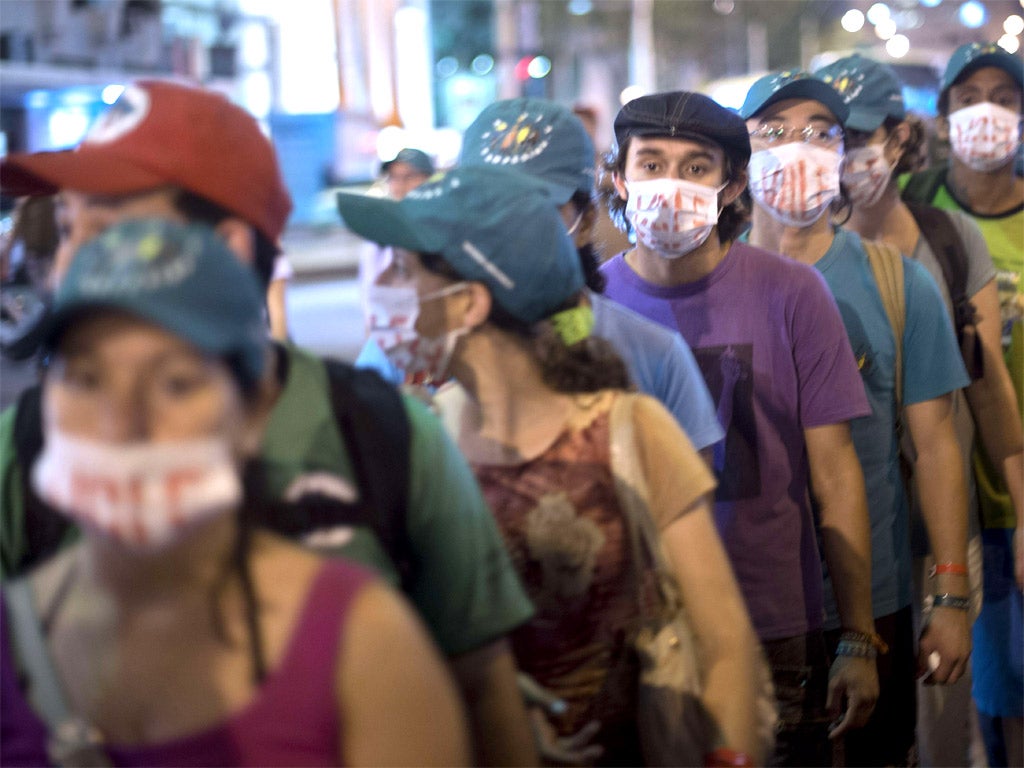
<point>497,718</point>
<point>846,539</point>
<point>1013,474</point>
<point>941,488</point>
<point>940,483</point>
<point>730,686</point>
<point>993,399</point>
<point>997,418</point>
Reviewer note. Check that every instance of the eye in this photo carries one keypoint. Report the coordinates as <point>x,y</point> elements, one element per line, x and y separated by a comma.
<point>180,379</point>
<point>650,166</point>
<point>78,374</point>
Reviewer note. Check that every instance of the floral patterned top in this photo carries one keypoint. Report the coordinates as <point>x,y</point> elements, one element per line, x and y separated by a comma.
<point>560,517</point>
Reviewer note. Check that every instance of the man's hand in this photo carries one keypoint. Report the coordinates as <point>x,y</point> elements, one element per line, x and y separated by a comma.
<point>854,679</point>
<point>948,635</point>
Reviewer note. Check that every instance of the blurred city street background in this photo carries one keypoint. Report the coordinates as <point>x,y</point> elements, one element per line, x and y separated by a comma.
<point>340,85</point>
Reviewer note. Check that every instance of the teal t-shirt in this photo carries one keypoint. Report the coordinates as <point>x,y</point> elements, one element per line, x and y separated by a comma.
<point>932,366</point>
<point>465,587</point>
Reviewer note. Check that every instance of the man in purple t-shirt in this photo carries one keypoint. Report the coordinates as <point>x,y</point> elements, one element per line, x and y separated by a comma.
<point>774,353</point>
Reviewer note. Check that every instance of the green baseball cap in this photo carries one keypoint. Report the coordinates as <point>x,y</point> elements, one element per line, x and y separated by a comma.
<point>792,84</point>
<point>182,278</point>
<point>538,137</point>
<point>870,89</point>
<point>972,56</point>
<point>493,225</point>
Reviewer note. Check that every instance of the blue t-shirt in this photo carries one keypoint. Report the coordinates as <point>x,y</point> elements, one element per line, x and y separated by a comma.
<point>662,365</point>
<point>773,352</point>
<point>658,360</point>
<point>932,367</point>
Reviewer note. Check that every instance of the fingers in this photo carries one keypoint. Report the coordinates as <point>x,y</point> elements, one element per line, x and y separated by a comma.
<point>569,750</point>
<point>536,695</point>
<point>939,669</point>
<point>582,737</point>
<point>944,650</point>
<point>855,680</point>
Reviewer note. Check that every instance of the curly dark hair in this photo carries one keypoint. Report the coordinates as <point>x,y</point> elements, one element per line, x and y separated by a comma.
<point>590,261</point>
<point>589,365</point>
<point>733,219</point>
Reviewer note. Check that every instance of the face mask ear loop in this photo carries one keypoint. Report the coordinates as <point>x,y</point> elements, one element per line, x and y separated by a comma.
<point>448,290</point>
<point>718,197</point>
<point>576,224</point>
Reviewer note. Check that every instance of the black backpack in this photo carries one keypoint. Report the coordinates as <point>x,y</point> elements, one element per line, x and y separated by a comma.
<point>947,245</point>
<point>372,421</point>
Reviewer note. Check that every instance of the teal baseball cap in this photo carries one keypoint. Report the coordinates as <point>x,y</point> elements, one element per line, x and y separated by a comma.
<point>870,89</point>
<point>538,137</point>
<point>494,225</point>
<point>182,278</point>
<point>792,84</point>
<point>972,56</point>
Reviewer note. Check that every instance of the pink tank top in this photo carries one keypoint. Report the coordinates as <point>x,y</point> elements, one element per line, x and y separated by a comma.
<point>293,720</point>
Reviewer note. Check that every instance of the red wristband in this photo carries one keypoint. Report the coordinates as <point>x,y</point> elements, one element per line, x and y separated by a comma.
<point>953,569</point>
<point>723,757</point>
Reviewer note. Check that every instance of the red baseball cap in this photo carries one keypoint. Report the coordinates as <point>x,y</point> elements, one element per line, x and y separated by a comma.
<point>160,133</point>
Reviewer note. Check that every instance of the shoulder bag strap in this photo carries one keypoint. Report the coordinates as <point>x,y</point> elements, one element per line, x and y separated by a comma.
<point>949,250</point>
<point>634,497</point>
<point>923,186</point>
<point>887,265</point>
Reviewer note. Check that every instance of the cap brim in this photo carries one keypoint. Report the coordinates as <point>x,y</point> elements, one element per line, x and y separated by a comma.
<point>1011,67</point>
<point>381,220</point>
<point>206,337</point>
<point>804,88</point>
<point>82,169</point>
<point>865,120</point>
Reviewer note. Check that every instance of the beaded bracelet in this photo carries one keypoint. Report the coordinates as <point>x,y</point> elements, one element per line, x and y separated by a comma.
<point>953,569</point>
<point>856,649</point>
<point>872,639</point>
<point>947,600</point>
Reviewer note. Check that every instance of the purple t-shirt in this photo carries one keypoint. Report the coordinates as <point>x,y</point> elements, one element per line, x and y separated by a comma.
<point>771,345</point>
<point>293,720</point>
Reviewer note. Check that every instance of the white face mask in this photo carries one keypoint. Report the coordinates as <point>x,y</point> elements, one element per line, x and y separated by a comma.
<point>984,136</point>
<point>866,174</point>
<point>145,496</point>
<point>392,320</point>
<point>795,182</point>
<point>672,216</point>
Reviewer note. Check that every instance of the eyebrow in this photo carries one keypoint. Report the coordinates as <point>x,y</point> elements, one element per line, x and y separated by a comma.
<point>824,117</point>
<point>695,154</point>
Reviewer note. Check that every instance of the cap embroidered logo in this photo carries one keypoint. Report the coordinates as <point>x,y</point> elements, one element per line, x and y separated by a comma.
<point>124,115</point>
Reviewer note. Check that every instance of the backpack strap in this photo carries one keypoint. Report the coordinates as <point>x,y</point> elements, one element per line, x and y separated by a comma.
<point>922,187</point>
<point>45,528</point>
<point>373,423</point>
<point>45,691</point>
<point>887,266</point>
<point>71,741</point>
<point>948,247</point>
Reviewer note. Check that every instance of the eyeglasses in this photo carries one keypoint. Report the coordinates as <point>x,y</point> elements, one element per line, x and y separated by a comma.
<point>822,134</point>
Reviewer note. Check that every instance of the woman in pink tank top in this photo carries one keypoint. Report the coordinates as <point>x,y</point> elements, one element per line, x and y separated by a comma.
<point>180,634</point>
<point>491,285</point>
